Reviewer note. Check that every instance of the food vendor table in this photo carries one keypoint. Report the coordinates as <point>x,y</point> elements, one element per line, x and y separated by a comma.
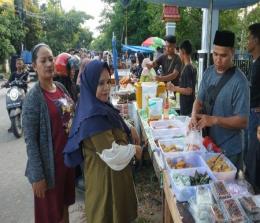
<point>173,211</point>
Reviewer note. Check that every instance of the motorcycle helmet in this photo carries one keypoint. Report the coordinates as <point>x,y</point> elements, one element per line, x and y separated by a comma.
<point>74,62</point>
<point>61,64</point>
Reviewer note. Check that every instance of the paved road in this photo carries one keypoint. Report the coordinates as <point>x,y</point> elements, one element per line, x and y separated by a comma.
<point>16,200</point>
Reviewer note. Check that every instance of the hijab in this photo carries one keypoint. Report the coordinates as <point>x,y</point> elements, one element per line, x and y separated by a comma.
<point>92,116</point>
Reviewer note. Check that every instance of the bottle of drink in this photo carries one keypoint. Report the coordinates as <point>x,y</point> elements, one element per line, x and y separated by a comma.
<point>166,107</point>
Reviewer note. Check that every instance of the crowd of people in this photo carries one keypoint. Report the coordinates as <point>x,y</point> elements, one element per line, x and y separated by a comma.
<point>68,118</point>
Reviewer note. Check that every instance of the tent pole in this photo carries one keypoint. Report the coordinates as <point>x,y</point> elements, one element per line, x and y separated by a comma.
<point>210,31</point>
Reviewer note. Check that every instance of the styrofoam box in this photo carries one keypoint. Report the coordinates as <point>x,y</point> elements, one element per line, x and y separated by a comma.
<point>226,176</point>
<point>191,158</point>
<point>178,142</point>
<point>185,193</point>
<point>160,128</point>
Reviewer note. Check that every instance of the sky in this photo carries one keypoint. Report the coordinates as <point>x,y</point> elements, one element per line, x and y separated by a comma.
<point>91,7</point>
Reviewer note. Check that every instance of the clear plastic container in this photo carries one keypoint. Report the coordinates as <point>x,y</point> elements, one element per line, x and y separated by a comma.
<point>217,214</point>
<point>249,205</point>
<point>226,176</point>
<point>184,193</point>
<point>166,124</point>
<point>171,146</point>
<point>203,195</point>
<point>191,160</point>
<point>219,190</point>
<point>234,211</point>
<point>168,133</point>
<point>172,128</point>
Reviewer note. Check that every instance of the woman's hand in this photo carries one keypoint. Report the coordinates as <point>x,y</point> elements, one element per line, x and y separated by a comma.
<point>135,137</point>
<point>39,188</point>
<point>171,87</point>
<point>138,152</point>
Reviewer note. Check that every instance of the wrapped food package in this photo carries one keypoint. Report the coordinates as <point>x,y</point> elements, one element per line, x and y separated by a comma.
<point>203,195</point>
<point>218,215</point>
<point>219,190</point>
<point>234,210</point>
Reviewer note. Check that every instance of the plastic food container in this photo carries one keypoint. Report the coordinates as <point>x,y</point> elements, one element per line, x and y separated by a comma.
<point>234,211</point>
<point>226,176</point>
<point>166,124</point>
<point>218,215</point>
<point>170,128</point>
<point>184,193</point>
<point>248,203</point>
<point>219,190</point>
<point>203,195</point>
<point>183,160</point>
<point>176,144</point>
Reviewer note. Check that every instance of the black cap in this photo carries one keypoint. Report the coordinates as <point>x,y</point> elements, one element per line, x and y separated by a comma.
<point>170,39</point>
<point>224,38</point>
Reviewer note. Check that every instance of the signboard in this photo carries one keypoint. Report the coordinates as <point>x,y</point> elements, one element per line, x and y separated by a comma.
<point>171,13</point>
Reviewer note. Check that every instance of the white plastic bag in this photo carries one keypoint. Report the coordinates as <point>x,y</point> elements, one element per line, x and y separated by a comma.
<point>194,140</point>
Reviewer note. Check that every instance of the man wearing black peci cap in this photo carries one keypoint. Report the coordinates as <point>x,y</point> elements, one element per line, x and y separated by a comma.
<point>222,104</point>
<point>170,62</point>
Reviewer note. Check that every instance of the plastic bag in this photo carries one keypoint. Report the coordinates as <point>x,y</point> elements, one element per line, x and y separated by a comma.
<point>194,140</point>
<point>155,108</point>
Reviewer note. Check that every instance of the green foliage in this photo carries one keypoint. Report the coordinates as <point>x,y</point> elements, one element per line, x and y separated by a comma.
<point>12,32</point>
<point>139,21</point>
<point>33,24</point>
<point>190,17</point>
<point>63,30</point>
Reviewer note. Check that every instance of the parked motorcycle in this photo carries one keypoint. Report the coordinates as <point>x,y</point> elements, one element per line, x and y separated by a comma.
<point>14,101</point>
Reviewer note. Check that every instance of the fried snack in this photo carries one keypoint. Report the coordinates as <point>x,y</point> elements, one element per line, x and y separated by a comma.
<point>170,148</point>
<point>193,147</point>
<point>217,214</point>
<point>125,81</point>
<point>220,191</point>
<point>249,204</point>
<point>181,164</point>
<point>233,210</point>
<point>218,164</point>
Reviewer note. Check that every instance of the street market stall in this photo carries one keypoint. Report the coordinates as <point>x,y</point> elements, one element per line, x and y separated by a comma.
<point>198,184</point>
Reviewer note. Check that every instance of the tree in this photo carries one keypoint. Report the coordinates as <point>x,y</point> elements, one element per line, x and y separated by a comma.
<point>189,26</point>
<point>138,21</point>
<point>82,38</point>
<point>32,21</point>
<point>61,29</point>
<point>12,32</point>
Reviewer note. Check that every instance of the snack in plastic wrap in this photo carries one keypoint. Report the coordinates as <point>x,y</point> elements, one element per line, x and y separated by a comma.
<point>217,214</point>
<point>181,180</point>
<point>233,210</point>
<point>200,212</point>
<point>194,140</point>
<point>237,189</point>
<point>203,195</point>
<point>179,164</point>
<point>255,217</point>
<point>248,204</point>
<point>219,190</point>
